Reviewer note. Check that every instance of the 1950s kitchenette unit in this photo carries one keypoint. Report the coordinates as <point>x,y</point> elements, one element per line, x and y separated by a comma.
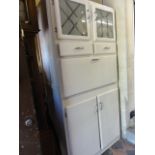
<point>86,41</point>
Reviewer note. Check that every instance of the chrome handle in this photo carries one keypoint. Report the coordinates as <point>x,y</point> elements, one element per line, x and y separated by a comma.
<point>79,48</point>
<point>28,122</point>
<point>106,48</point>
<point>95,60</point>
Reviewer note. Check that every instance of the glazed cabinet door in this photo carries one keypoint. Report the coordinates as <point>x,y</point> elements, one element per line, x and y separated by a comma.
<point>108,117</point>
<point>83,129</point>
<point>103,22</point>
<point>72,19</point>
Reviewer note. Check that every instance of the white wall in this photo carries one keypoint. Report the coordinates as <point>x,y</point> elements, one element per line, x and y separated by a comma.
<point>130,42</point>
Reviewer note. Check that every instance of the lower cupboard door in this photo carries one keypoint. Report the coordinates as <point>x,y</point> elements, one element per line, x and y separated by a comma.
<point>83,129</point>
<point>108,117</point>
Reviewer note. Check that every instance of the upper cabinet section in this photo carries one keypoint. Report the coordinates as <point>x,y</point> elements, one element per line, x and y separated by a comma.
<point>103,22</point>
<point>72,17</point>
<point>84,20</point>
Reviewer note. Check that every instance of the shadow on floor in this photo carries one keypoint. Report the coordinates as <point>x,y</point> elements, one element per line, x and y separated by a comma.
<point>122,147</point>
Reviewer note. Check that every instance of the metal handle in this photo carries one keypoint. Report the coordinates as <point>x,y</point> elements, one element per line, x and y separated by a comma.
<point>79,48</point>
<point>95,60</point>
<point>106,48</point>
<point>29,122</point>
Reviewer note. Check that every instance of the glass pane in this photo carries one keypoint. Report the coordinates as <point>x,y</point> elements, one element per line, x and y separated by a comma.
<point>104,24</point>
<point>73,18</point>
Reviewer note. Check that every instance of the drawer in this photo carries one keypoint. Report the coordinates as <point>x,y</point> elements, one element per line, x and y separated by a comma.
<point>103,48</point>
<point>83,74</point>
<point>71,48</point>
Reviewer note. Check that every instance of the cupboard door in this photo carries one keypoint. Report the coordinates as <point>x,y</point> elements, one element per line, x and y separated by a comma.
<point>72,18</point>
<point>103,23</point>
<point>82,120</point>
<point>87,73</point>
<point>108,117</point>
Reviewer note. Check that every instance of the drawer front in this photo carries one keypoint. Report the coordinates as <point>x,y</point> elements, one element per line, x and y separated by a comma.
<point>103,48</point>
<point>83,74</point>
<point>69,48</point>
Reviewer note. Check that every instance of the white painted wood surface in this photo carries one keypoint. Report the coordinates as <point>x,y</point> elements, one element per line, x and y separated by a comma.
<point>74,48</point>
<point>83,129</point>
<point>86,73</point>
<point>108,117</point>
<point>105,48</point>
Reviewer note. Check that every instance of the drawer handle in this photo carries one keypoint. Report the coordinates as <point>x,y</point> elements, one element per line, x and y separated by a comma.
<point>79,48</point>
<point>95,60</point>
<point>106,48</point>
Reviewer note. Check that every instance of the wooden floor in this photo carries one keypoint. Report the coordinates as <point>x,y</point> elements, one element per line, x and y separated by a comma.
<point>122,147</point>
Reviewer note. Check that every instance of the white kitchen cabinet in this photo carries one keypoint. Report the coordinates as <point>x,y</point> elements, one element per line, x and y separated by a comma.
<point>103,22</point>
<point>86,73</point>
<point>83,129</point>
<point>86,41</point>
<point>108,117</point>
<point>72,19</point>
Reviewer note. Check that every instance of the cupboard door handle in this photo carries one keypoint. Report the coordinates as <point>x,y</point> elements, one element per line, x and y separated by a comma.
<point>101,104</point>
<point>97,107</point>
<point>79,48</point>
<point>106,48</point>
